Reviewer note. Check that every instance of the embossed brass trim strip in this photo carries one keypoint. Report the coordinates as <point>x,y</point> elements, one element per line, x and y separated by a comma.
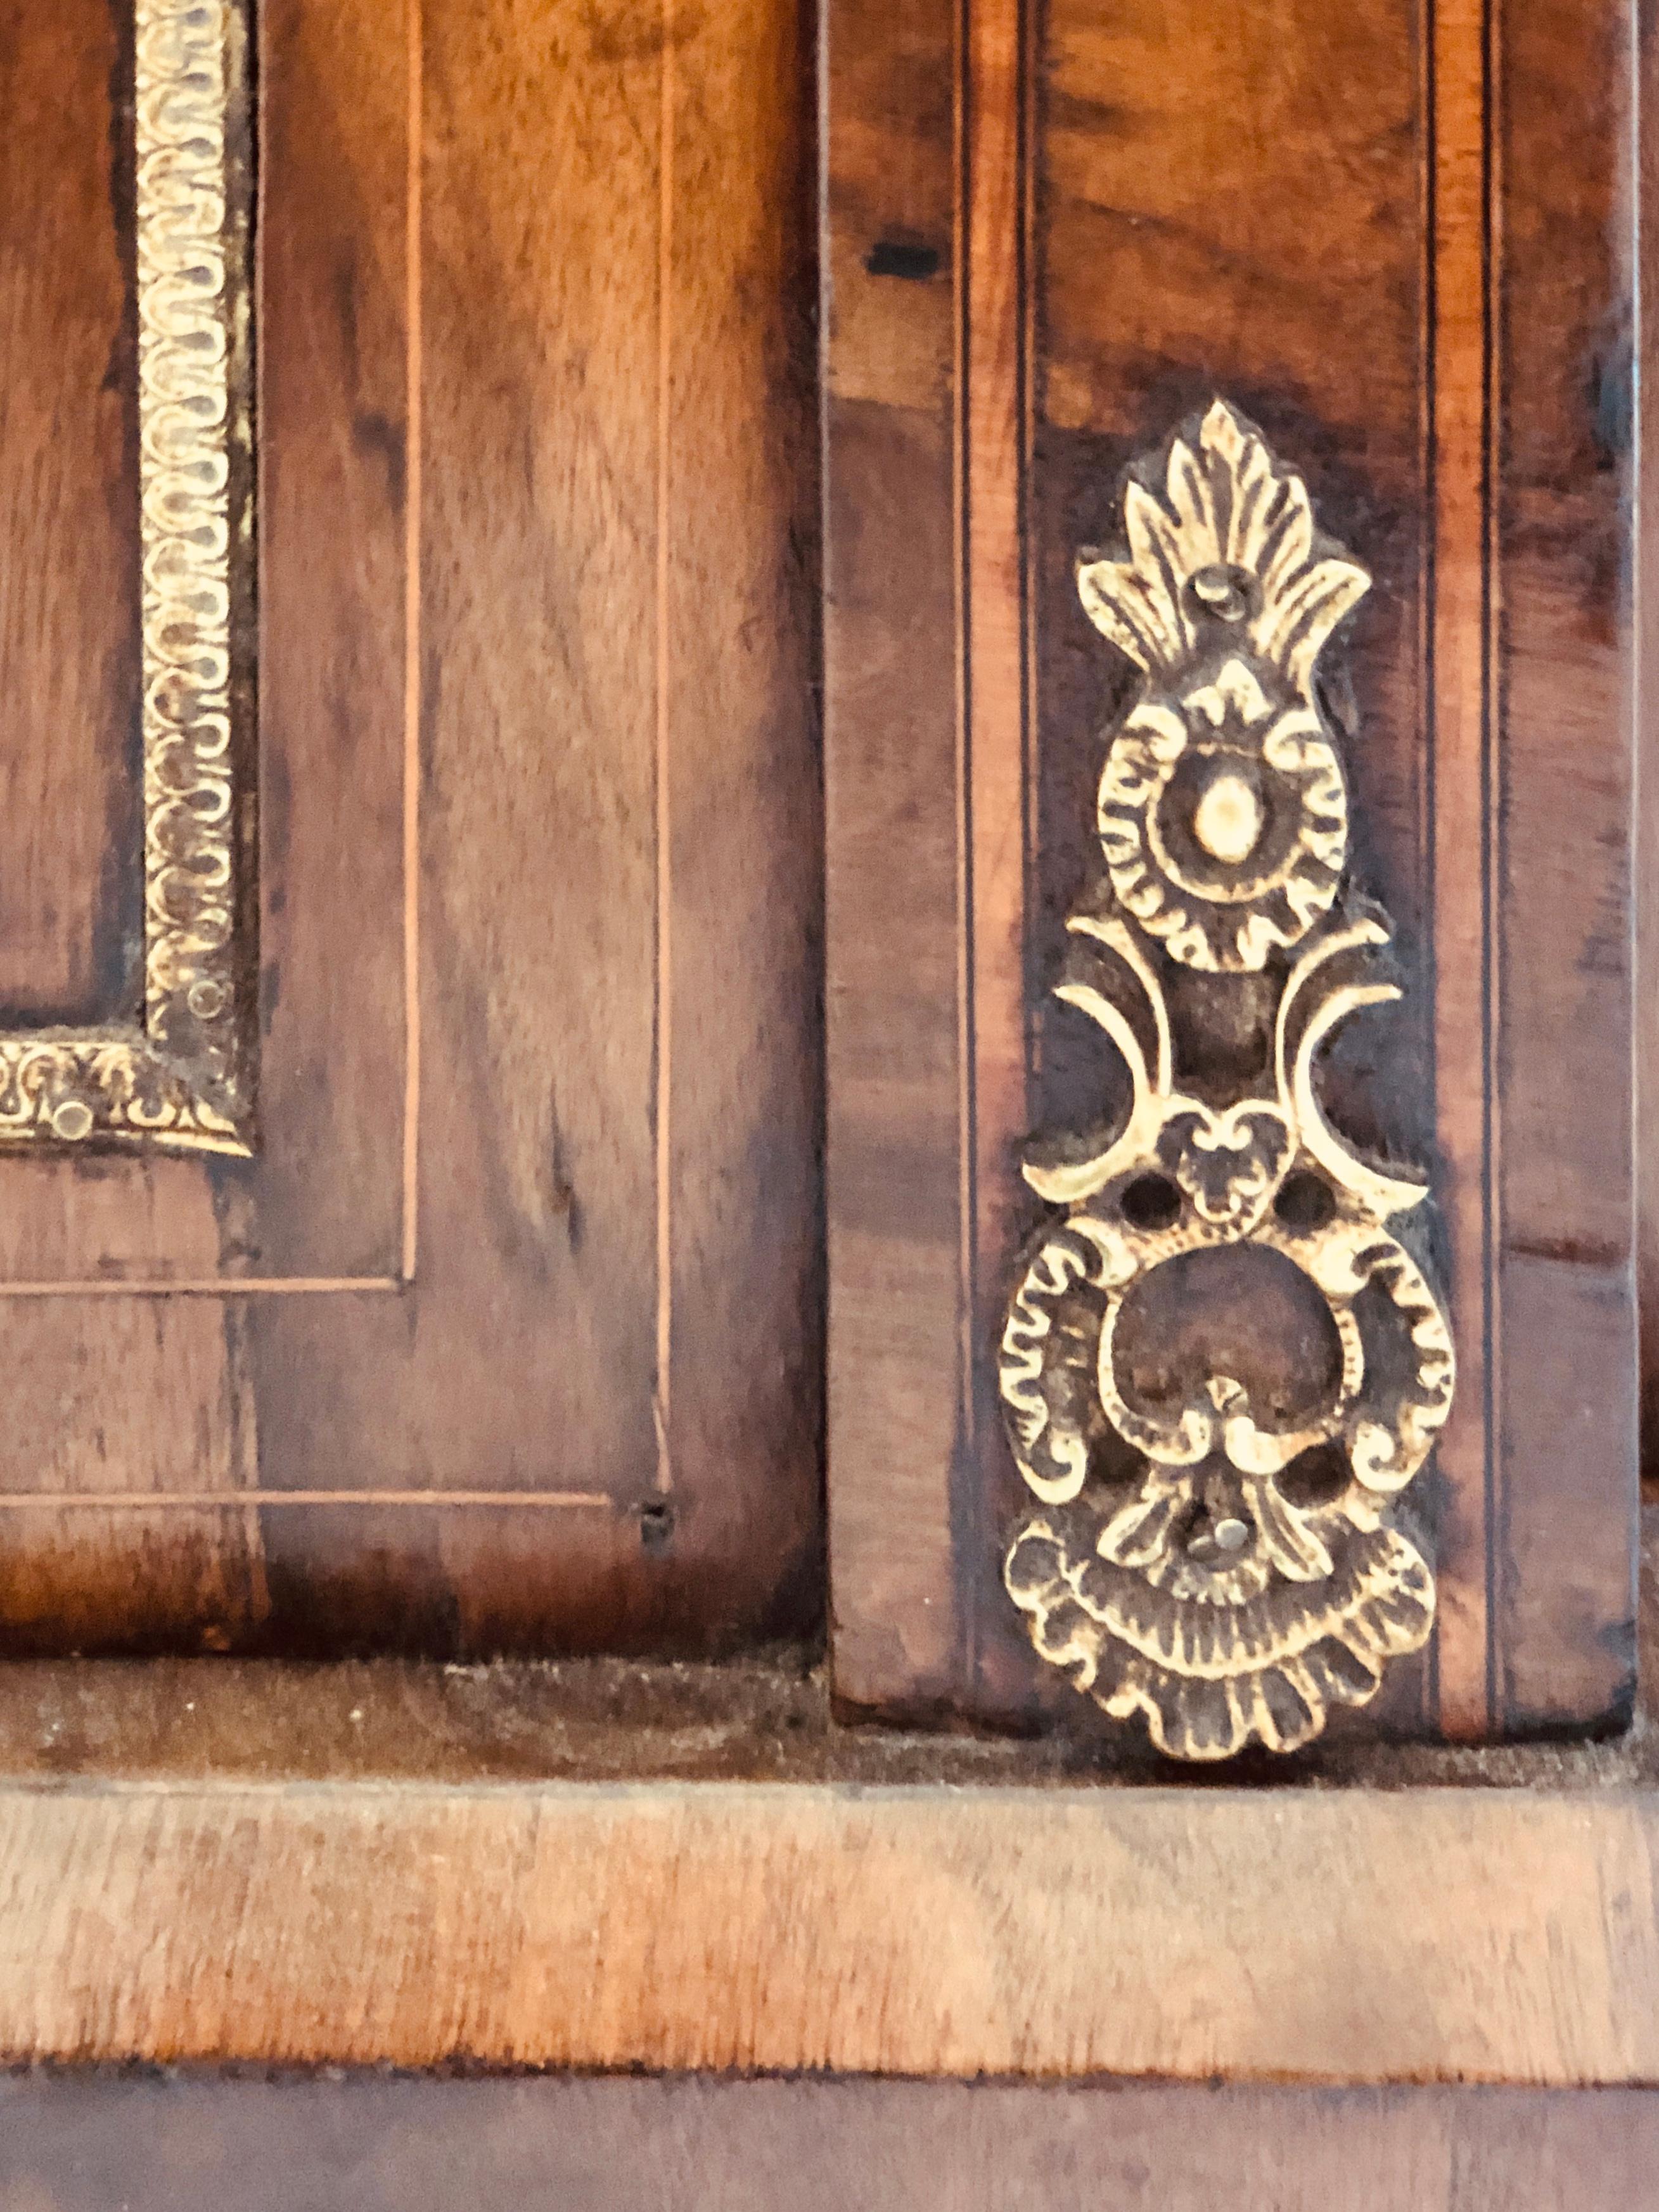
<point>183,1078</point>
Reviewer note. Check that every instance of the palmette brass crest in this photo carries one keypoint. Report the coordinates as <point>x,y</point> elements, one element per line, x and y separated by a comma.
<point>1218,1551</point>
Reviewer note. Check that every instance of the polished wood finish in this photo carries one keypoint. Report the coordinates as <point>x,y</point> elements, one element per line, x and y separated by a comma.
<point>1325,1934</point>
<point>896,1213</point>
<point>1389,287</point>
<point>508,1336</point>
<point>80,2144</point>
<point>606,1863</point>
<point>1562,1565</point>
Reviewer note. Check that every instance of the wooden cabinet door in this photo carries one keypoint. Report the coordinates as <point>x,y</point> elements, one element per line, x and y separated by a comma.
<point>408,865</point>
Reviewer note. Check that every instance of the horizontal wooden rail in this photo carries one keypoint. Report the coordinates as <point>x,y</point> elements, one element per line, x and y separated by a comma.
<point>1331,1935</point>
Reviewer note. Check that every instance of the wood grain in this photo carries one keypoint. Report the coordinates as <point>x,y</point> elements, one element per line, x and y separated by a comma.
<point>327,1198</point>
<point>740,840</point>
<point>1463,377</point>
<point>996,424</point>
<point>351,1845</point>
<point>894,1199</point>
<point>80,2143</point>
<point>1389,289</point>
<point>969,1930</point>
<point>1563,1559</point>
<point>540,1202</point>
<point>896,1220</point>
<point>548,727</point>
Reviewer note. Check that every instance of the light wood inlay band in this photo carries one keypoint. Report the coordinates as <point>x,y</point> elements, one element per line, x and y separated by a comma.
<point>1466,801</point>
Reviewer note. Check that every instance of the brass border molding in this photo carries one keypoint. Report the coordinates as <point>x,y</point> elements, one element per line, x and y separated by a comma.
<point>1221,1367</point>
<point>181,1078</point>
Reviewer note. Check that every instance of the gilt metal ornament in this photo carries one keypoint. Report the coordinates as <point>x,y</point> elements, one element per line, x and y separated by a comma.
<point>1220,1552</point>
<point>181,1077</point>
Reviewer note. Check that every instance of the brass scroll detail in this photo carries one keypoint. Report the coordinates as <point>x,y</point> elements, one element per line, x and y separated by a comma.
<point>182,1076</point>
<point>1219,1552</point>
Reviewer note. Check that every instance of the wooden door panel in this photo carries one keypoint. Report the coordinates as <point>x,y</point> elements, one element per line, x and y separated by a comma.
<point>494,1325</point>
<point>1118,221</point>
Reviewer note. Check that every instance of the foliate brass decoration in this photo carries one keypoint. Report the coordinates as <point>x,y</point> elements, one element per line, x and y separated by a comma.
<point>1219,1552</point>
<point>182,1077</point>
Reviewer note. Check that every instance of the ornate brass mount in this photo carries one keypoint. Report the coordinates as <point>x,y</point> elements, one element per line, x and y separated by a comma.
<point>1215,1550</point>
<point>181,1078</point>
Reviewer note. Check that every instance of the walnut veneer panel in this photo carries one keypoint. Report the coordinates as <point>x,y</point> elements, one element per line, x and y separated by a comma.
<point>504,1334</point>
